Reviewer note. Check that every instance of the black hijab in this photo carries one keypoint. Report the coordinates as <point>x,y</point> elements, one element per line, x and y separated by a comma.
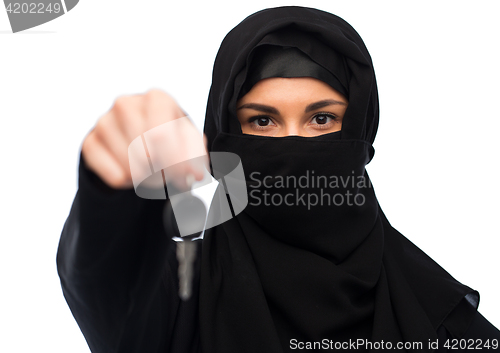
<point>315,260</point>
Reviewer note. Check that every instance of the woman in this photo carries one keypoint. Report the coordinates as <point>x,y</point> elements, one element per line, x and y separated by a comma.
<point>311,263</point>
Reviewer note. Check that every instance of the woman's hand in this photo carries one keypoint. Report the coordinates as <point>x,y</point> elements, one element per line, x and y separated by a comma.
<point>105,149</point>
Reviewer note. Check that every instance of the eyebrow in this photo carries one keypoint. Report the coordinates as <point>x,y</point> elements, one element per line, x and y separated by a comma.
<point>260,107</point>
<point>323,103</point>
<point>271,110</point>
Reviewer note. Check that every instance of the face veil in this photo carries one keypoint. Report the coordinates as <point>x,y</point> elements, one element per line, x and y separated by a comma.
<point>312,257</point>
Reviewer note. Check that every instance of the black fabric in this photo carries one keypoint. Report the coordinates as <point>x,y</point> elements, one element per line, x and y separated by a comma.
<point>118,273</point>
<point>277,273</point>
<point>276,61</point>
<point>477,334</point>
<point>166,325</point>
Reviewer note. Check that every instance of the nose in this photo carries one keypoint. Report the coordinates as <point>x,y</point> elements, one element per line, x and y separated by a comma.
<point>292,130</point>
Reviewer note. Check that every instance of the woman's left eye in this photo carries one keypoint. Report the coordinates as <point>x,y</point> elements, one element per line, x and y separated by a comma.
<point>322,119</point>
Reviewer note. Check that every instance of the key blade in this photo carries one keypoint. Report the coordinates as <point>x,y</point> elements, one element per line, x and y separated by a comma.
<point>186,254</point>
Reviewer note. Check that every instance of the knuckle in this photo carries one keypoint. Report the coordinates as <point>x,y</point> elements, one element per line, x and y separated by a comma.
<point>158,98</point>
<point>87,142</point>
<point>160,107</point>
<point>121,102</point>
<point>125,104</point>
<point>101,128</point>
<point>125,108</point>
<point>116,181</point>
<point>155,93</point>
<point>86,145</point>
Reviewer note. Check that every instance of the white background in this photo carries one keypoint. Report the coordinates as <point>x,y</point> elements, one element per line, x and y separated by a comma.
<point>435,169</point>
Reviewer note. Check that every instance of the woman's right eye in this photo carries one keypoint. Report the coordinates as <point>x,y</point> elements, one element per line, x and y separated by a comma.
<point>261,121</point>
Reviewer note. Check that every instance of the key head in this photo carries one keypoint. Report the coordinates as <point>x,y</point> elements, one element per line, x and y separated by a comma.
<point>190,214</point>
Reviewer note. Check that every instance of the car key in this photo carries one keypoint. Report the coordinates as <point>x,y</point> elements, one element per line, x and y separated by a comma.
<point>190,211</point>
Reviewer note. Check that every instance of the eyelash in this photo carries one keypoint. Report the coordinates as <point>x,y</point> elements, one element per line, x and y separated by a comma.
<point>328,124</point>
<point>320,126</point>
<point>255,118</point>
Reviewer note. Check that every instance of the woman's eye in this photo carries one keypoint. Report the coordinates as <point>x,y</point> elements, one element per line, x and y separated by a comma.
<point>321,119</point>
<point>262,121</point>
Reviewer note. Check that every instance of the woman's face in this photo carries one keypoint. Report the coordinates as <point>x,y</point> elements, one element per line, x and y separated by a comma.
<point>301,106</point>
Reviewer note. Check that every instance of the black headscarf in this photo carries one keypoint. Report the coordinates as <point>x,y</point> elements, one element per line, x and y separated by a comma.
<point>315,259</point>
<point>277,61</point>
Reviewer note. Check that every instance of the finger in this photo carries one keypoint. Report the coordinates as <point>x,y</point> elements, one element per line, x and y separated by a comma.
<point>195,149</point>
<point>129,114</point>
<point>160,107</point>
<point>100,161</point>
<point>111,136</point>
<point>186,173</point>
<point>176,142</point>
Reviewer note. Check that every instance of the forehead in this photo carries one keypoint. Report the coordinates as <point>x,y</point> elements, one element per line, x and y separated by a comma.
<point>302,88</point>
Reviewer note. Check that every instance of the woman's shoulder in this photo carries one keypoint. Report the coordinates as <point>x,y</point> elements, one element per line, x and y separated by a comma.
<point>459,334</point>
